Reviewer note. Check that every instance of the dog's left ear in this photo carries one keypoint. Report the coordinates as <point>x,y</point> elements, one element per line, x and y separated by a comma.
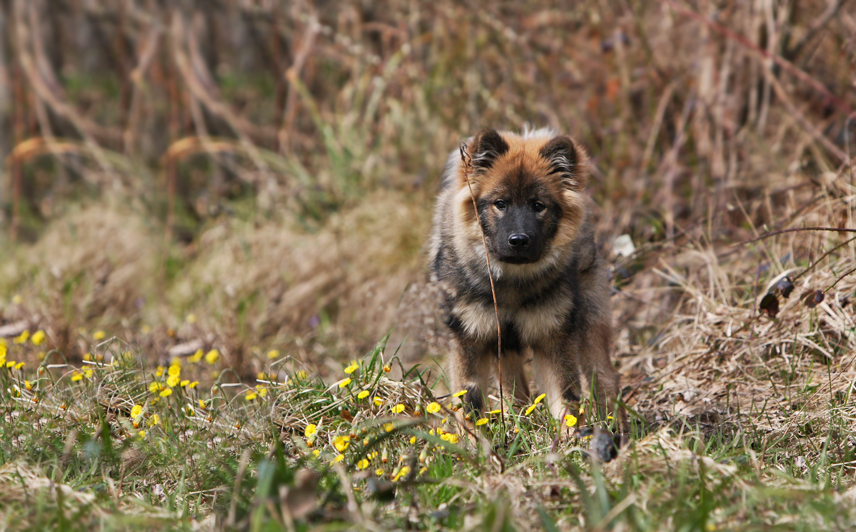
<point>566,160</point>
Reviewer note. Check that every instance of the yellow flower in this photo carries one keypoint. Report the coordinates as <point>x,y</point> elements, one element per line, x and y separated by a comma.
<point>316,453</point>
<point>451,438</point>
<point>38,337</point>
<point>190,411</point>
<point>389,427</point>
<point>76,376</point>
<point>20,365</point>
<point>570,420</point>
<point>142,434</point>
<point>197,356</point>
<point>301,375</point>
<point>159,372</point>
<point>173,380</point>
<point>459,394</point>
<point>174,370</point>
<point>201,403</point>
<point>539,398</point>
<point>397,409</point>
<point>433,407</point>
<point>338,458</point>
<point>262,391</point>
<point>363,394</point>
<point>193,384</point>
<point>362,464</point>
<point>184,383</point>
<point>154,387</point>
<point>28,385</point>
<point>20,339</point>
<point>379,471</point>
<point>136,411</point>
<point>412,440</point>
<point>154,420</point>
<point>354,366</point>
<point>341,443</point>
<point>345,383</point>
<point>530,409</point>
<point>10,364</point>
<point>402,473</point>
<point>273,353</point>
<point>387,369</point>
<point>482,421</point>
<point>310,430</point>
<point>251,395</point>
<point>497,411</point>
<point>212,356</point>
<point>166,392</point>
<point>378,401</point>
<point>99,335</point>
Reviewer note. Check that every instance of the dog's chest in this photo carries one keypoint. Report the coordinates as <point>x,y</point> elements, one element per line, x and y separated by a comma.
<point>531,322</point>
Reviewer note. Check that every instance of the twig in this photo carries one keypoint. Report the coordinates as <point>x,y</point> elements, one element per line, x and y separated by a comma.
<point>189,64</point>
<point>291,75</point>
<point>44,88</point>
<point>833,250</point>
<point>467,161</point>
<point>814,27</point>
<point>802,120</point>
<point>838,280</point>
<point>795,230</point>
<point>780,61</point>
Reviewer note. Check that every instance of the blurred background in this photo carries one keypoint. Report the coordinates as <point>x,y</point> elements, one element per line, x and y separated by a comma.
<point>251,175</point>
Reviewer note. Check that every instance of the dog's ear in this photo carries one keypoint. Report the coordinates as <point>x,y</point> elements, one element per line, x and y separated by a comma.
<point>485,147</point>
<point>566,160</point>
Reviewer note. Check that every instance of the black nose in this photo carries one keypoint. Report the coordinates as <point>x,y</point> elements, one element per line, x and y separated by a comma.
<point>518,241</point>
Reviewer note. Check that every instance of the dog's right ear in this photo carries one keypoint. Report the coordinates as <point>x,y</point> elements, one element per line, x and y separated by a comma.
<point>486,146</point>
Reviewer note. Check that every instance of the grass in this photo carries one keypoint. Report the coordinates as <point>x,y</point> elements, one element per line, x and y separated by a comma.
<point>117,444</point>
<point>247,189</point>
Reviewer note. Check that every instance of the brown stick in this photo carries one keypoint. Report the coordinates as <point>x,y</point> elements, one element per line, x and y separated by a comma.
<point>291,75</point>
<point>468,164</point>
<point>828,253</point>
<point>782,62</point>
<point>795,230</point>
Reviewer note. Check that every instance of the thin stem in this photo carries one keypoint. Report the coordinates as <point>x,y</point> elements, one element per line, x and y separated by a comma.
<point>796,230</point>
<point>468,164</point>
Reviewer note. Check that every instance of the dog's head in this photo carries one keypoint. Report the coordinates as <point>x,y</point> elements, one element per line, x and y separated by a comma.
<point>528,192</point>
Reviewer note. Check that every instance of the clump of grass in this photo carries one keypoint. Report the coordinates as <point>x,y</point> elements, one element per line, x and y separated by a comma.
<point>113,441</point>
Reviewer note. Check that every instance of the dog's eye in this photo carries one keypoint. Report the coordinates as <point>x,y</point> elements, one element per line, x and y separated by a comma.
<point>499,204</point>
<point>538,206</point>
